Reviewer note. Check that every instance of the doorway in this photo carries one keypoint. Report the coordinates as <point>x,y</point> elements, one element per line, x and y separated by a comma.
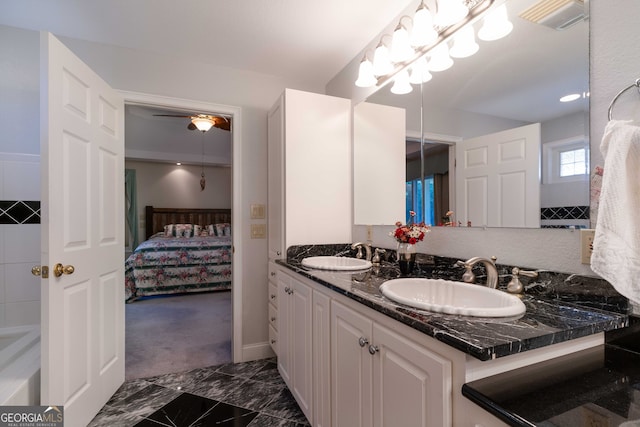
<point>161,102</point>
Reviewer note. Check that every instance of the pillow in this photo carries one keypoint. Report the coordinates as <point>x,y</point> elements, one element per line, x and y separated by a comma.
<point>220,229</point>
<point>227,229</point>
<point>197,230</point>
<point>183,230</point>
<point>169,230</point>
<point>211,228</point>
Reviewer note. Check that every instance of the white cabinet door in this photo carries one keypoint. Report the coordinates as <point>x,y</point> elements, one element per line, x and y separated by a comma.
<point>295,340</point>
<point>301,346</point>
<point>321,360</point>
<point>351,368</point>
<point>411,385</point>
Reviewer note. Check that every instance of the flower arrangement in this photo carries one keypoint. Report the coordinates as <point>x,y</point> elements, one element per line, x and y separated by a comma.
<point>410,233</point>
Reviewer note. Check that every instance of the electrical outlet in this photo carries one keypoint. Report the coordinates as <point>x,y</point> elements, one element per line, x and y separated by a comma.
<point>586,244</point>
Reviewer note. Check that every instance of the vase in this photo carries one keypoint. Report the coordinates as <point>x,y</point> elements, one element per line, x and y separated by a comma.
<point>406,256</point>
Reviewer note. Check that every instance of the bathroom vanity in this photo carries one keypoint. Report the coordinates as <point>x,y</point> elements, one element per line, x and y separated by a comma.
<point>352,357</point>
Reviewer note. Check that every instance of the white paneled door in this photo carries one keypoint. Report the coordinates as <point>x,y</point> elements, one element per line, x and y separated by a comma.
<point>498,179</point>
<point>82,155</point>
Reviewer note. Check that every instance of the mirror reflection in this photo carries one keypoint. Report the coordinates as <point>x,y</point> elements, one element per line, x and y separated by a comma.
<point>508,86</point>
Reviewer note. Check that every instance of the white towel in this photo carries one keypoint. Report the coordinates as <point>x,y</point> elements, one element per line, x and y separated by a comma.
<point>616,246</point>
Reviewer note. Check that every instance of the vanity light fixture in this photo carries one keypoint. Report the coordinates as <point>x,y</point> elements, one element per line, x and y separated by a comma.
<point>429,37</point>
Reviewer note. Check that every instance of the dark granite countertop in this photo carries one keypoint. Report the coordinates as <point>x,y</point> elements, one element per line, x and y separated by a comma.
<point>596,387</point>
<point>552,315</point>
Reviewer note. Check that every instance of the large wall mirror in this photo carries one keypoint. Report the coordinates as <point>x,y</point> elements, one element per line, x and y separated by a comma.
<point>508,84</point>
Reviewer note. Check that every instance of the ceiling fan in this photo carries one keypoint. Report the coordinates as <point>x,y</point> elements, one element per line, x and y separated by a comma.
<point>203,122</point>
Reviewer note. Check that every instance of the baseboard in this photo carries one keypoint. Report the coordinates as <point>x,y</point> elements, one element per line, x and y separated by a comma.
<point>256,352</point>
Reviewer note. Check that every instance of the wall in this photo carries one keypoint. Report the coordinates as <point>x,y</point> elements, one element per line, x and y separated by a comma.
<point>166,185</point>
<point>614,65</point>
<point>19,239</point>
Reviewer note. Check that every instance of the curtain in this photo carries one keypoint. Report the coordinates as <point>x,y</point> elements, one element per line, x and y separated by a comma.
<point>440,195</point>
<point>131,206</point>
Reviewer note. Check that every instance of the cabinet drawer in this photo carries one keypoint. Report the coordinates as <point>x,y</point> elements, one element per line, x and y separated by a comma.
<point>273,294</point>
<point>273,339</point>
<point>273,316</point>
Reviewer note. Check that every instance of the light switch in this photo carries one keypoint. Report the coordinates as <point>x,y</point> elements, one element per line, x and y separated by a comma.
<point>258,231</point>
<point>257,211</point>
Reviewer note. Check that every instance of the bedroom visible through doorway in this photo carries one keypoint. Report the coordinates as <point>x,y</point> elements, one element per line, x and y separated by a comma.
<point>173,332</point>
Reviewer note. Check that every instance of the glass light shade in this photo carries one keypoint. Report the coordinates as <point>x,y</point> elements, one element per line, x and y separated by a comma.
<point>366,77</point>
<point>423,33</point>
<point>420,72</point>
<point>202,123</point>
<point>381,62</point>
<point>401,83</point>
<point>440,59</point>
<point>496,25</point>
<point>450,12</point>
<point>400,47</point>
<point>464,43</point>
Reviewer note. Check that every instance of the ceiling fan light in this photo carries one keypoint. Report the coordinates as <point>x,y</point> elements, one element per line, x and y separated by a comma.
<point>450,12</point>
<point>464,43</point>
<point>203,123</point>
<point>440,59</point>
<point>366,78</point>
<point>496,25</point>
<point>401,83</point>
<point>423,32</point>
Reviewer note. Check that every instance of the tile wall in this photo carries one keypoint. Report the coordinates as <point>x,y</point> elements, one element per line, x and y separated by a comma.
<point>19,239</point>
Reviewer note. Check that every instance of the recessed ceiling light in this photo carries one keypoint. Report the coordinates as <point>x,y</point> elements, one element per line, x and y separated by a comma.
<point>569,98</point>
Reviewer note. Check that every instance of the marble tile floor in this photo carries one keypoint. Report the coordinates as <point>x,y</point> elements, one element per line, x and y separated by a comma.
<point>250,394</point>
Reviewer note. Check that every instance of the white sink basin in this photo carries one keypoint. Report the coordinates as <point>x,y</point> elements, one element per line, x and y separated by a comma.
<point>445,296</point>
<point>336,263</point>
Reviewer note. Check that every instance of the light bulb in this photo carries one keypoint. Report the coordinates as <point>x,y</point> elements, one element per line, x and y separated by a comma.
<point>495,25</point>
<point>366,77</point>
<point>450,12</point>
<point>440,59</point>
<point>423,33</point>
<point>202,123</point>
<point>464,43</point>
<point>381,63</point>
<point>401,83</point>
<point>420,72</point>
<point>400,47</point>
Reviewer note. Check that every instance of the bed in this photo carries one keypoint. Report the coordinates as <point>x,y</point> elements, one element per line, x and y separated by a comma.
<point>172,260</point>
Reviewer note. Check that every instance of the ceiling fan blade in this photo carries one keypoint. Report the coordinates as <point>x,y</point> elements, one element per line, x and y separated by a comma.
<point>223,124</point>
<point>191,126</point>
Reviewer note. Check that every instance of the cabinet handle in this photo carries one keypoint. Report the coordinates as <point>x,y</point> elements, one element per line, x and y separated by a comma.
<point>287,289</point>
<point>273,273</point>
<point>363,341</point>
<point>273,341</point>
<point>273,296</point>
<point>373,349</point>
<point>273,319</point>
<point>278,253</point>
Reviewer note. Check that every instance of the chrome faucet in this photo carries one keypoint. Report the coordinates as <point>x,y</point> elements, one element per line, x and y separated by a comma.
<point>489,265</point>
<point>360,245</point>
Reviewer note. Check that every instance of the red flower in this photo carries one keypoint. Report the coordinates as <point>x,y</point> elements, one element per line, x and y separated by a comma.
<point>413,241</point>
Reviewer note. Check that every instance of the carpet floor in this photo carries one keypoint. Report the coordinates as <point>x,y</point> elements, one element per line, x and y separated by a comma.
<point>176,333</point>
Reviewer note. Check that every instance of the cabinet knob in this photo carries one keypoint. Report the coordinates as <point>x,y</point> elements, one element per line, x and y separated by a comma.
<point>373,349</point>
<point>363,341</point>
<point>272,296</point>
<point>273,319</point>
<point>273,341</point>
<point>273,273</point>
<point>278,253</point>
<point>286,289</point>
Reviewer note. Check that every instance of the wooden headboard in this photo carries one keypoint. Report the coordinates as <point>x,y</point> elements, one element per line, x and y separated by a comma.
<point>157,218</point>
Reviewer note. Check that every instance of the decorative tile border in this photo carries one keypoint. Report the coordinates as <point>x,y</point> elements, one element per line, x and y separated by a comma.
<point>565,212</point>
<point>19,212</point>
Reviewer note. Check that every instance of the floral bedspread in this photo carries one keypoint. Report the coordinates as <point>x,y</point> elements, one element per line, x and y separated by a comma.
<point>170,265</point>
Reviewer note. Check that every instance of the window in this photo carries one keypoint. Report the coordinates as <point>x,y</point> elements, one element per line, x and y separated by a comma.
<point>414,190</point>
<point>565,161</point>
<point>573,162</point>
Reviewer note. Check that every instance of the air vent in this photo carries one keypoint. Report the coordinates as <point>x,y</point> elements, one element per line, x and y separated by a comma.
<point>556,14</point>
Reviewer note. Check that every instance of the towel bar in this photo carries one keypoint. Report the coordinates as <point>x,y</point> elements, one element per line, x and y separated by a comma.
<point>615,98</point>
